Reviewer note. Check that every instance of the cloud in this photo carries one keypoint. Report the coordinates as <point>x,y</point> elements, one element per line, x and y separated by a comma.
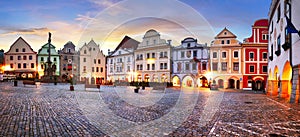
<point>29,31</point>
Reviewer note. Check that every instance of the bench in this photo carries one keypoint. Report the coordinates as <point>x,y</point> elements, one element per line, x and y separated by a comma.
<point>91,86</point>
<point>29,82</point>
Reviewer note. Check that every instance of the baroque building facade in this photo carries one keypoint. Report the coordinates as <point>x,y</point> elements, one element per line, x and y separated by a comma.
<point>43,59</point>
<point>153,59</point>
<point>120,62</point>
<point>21,60</point>
<point>255,57</point>
<point>92,64</point>
<point>190,64</point>
<point>225,61</point>
<point>69,62</point>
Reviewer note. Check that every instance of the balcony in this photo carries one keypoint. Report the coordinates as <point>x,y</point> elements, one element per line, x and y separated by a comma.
<point>286,46</point>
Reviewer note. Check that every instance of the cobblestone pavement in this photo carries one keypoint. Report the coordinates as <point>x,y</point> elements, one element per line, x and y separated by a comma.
<point>116,111</point>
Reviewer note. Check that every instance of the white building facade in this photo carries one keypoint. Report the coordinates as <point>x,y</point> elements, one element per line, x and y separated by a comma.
<point>153,59</point>
<point>190,64</point>
<point>92,64</point>
<point>120,62</point>
<point>20,60</point>
<point>284,48</point>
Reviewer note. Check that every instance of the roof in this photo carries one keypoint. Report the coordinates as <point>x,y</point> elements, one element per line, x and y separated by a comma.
<point>151,33</point>
<point>261,22</point>
<point>20,39</point>
<point>225,33</point>
<point>127,43</point>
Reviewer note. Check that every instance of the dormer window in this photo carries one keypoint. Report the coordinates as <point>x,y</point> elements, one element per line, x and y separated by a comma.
<point>84,51</point>
<point>17,50</point>
<point>23,50</point>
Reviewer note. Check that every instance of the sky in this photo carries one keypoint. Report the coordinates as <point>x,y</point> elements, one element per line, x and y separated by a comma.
<point>108,21</point>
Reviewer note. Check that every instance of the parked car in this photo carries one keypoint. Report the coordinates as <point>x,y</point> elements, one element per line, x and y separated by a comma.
<point>214,86</point>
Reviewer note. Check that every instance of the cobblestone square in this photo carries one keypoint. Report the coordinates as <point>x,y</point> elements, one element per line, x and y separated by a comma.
<point>50,110</point>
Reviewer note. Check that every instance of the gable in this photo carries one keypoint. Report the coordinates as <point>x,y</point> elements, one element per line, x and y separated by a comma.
<point>225,33</point>
<point>19,45</point>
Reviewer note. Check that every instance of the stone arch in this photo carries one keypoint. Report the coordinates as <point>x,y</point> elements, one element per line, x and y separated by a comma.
<point>285,82</point>
<point>176,81</point>
<point>188,81</point>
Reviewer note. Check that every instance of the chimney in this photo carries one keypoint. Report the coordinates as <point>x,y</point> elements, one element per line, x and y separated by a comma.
<point>169,42</point>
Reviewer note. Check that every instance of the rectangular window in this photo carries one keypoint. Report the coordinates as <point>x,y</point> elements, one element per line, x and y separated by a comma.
<point>194,66</point>
<point>228,42</point>
<point>19,58</point>
<point>148,66</point>
<point>54,59</point>
<point>141,67</point>
<point>111,61</point>
<point>23,50</point>
<point>214,54</point>
<point>111,70</point>
<point>99,61</point>
<point>84,59</point>
<point>93,69</point>
<point>224,66</point>
<point>187,66</point>
<point>153,55</point>
<point>251,69</point>
<point>265,36</point>
<point>203,65</point>
<point>128,59</point>
<point>97,69</point>
<point>42,66</point>
<point>11,65</point>
<point>165,65</point>
<point>95,61</point>
<point>24,65</point>
<point>84,68</point>
<point>235,54</point>
<point>30,57</point>
<point>182,54</point>
<point>223,54</point>
<point>101,69</point>
<point>161,65</point>
<point>137,67</point>
<point>11,57</point>
<point>265,69</point>
<point>153,66</point>
<point>19,65</point>
<point>17,50</point>
<point>24,57</point>
<point>128,68</point>
<point>278,13</point>
<point>251,55</point>
<point>215,66</point>
<point>32,65</point>
<point>236,66</point>
<point>161,55</point>
<point>265,55</point>
<point>148,55</point>
<point>222,42</point>
<point>69,50</point>
<point>195,53</point>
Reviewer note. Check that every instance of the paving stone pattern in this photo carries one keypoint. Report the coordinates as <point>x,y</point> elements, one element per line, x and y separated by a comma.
<point>116,111</point>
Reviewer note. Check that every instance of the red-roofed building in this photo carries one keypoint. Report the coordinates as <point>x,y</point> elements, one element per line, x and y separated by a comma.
<point>255,59</point>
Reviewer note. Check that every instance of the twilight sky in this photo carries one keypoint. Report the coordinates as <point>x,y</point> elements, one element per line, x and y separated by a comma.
<point>108,21</point>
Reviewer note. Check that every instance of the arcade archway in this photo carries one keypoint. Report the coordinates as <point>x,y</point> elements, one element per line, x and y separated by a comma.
<point>176,81</point>
<point>286,84</point>
<point>188,81</point>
